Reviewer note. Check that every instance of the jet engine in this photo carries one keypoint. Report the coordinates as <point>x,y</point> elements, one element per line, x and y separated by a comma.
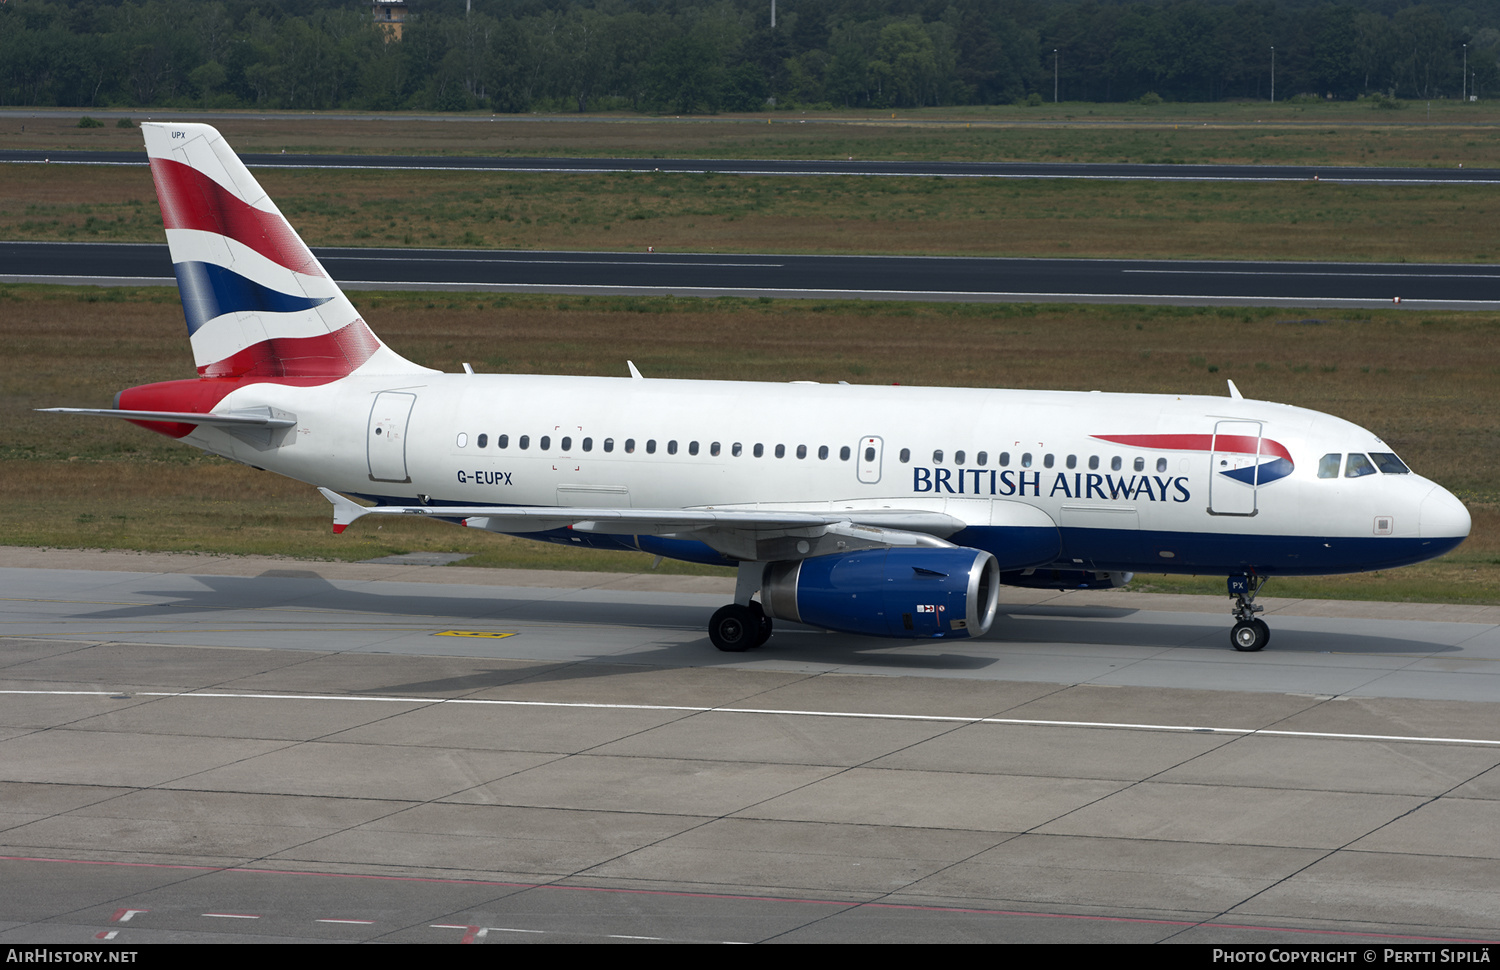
<point>908,593</point>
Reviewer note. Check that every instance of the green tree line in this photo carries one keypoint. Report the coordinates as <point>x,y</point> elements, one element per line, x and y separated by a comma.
<point>687,56</point>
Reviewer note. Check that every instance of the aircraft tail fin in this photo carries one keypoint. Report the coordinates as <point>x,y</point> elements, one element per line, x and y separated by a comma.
<point>258,304</point>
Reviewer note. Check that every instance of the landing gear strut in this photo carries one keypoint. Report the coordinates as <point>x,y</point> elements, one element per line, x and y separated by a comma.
<point>1250,632</point>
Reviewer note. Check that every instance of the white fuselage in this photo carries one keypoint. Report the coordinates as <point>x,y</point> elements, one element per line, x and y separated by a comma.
<point>1162,505</point>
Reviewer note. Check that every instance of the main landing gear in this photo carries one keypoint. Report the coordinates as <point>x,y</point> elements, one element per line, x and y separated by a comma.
<point>1250,632</point>
<point>742,625</point>
<point>735,628</point>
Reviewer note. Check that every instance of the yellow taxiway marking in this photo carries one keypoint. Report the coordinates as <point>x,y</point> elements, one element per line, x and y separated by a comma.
<point>473,633</point>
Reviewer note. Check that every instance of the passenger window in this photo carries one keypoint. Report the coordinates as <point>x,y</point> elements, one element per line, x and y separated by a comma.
<point>713,449</point>
<point>1389,464</point>
<point>937,457</point>
<point>1072,461</point>
<point>1047,461</point>
<point>1140,464</point>
<point>905,455</point>
<point>844,453</point>
<point>609,445</point>
<point>672,447</point>
<point>737,450</point>
<point>629,446</point>
<point>524,442</point>
<point>1093,462</point>
<point>567,444</point>
<point>822,452</point>
<point>1161,464</point>
<point>1328,465</point>
<point>588,444</point>
<point>1004,459</point>
<point>981,458</point>
<point>958,458</point>
<point>650,446</point>
<point>463,439</point>
<point>781,451</point>
<point>869,454</point>
<point>1358,466</point>
<point>503,441</point>
<point>759,450</point>
<point>545,443</point>
<point>802,451</point>
<point>692,447</point>
<point>1026,460</point>
<point>481,441</point>
<point>1114,463</point>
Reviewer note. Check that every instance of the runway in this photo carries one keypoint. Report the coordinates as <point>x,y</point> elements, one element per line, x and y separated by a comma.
<point>1118,171</point>
<point>197,748</point>
<point>1206,283</point>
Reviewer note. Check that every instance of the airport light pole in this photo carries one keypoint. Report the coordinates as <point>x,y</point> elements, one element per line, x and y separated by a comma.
<point>1054,75</point>
<point>1273,75</point>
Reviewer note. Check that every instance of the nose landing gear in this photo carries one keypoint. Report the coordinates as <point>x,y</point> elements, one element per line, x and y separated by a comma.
<point>1250,632</point>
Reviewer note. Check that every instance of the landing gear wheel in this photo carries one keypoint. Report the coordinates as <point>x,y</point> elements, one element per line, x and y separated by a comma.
<point>1250,635</point>
<point>735,628</point>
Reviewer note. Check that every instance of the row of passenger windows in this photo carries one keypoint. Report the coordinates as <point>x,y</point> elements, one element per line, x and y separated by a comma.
<point>565,444</point>
<point>982,458</point>
<point>1027,460</point>
<point>1358,465</point>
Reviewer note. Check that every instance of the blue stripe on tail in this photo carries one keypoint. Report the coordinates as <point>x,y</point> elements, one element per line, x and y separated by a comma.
<point>209,291</point>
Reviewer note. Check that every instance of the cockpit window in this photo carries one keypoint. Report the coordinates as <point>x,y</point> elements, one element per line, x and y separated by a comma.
<point>1358,466</point>
<point>1328,465</point>
<point>1389,464</point>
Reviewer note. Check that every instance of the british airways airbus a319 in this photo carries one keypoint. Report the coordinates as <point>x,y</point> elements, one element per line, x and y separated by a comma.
<point>885,511</point>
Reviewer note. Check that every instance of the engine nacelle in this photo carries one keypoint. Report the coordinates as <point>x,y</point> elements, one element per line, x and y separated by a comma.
<point>908,593</point>
<point>1065,579</point>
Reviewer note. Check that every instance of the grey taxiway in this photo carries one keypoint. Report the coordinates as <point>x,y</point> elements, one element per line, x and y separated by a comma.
<point>197,748</point>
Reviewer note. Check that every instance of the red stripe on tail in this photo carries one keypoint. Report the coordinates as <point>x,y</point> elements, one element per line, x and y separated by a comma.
<point>191,200</point>
<point>331,355</point>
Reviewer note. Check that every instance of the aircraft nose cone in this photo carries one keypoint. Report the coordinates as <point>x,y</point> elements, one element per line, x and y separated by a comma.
<point>1443,516</point>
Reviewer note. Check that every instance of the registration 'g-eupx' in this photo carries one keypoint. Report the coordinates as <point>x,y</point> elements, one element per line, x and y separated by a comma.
<point>886,511</point>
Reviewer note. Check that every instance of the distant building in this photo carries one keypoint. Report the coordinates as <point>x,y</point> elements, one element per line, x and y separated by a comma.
<point>390,15</point>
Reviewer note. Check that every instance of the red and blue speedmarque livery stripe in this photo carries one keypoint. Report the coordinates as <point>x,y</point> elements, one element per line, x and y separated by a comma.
<point>1264,472</point>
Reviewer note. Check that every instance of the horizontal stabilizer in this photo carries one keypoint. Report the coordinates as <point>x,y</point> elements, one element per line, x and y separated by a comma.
<point>246,418</point>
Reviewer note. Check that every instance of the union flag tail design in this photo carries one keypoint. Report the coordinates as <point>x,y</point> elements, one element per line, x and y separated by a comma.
<point>258,304</point>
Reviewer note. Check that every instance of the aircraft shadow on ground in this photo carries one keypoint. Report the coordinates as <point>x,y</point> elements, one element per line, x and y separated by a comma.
<point>1078,626</point>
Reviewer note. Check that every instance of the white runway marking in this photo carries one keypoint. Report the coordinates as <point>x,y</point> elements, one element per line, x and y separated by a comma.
<point>774,712</point>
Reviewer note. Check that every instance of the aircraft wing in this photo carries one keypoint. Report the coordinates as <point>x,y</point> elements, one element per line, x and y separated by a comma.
<point>758,535</point>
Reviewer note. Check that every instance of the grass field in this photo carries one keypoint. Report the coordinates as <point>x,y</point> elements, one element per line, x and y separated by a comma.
<point>702,213</point>
<point>1442,134</point>
<point>1428,383</point>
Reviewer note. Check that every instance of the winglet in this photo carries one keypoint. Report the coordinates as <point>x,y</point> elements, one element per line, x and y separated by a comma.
<point>344,511</point>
